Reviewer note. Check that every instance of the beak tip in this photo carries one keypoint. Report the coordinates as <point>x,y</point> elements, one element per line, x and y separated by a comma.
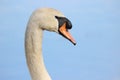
<point>74,44</point>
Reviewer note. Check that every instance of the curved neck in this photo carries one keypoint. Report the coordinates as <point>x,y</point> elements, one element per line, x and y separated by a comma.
<point>33,48</point>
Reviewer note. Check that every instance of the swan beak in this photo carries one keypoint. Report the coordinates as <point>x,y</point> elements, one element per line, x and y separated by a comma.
<point>64,32</point>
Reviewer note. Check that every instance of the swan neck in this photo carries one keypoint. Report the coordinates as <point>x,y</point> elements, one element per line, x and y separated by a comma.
<point>34,57</point>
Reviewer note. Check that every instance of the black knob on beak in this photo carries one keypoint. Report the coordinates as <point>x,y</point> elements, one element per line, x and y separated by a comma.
<point>62,20</point>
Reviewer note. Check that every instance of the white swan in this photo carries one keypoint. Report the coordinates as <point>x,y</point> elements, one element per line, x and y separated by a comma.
<point>43,19</point>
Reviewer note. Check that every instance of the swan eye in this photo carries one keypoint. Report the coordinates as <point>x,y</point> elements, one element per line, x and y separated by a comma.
<point>62,20</point>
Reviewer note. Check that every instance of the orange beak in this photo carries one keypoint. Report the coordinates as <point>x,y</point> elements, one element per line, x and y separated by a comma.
<point>64,32</point>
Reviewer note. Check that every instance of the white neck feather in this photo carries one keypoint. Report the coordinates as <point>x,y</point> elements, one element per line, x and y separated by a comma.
<point>33,47</point>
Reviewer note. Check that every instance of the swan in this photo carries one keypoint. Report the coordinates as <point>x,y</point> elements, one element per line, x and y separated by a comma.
<point>43,19</point>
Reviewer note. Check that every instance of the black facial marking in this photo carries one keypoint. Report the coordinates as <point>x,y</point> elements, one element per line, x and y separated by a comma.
<point>62,20</point>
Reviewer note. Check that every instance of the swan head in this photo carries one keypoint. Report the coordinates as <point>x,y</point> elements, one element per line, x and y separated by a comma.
<point>53,20</point>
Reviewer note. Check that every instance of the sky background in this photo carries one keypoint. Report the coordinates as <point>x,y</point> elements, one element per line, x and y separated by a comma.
<point>96,29</point>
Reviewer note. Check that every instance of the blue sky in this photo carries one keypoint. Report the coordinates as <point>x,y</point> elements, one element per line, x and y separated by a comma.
<point>96,28</point>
